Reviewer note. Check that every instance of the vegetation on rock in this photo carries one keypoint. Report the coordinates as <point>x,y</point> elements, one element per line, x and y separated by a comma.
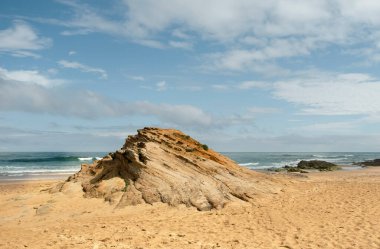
<point>204,146</point>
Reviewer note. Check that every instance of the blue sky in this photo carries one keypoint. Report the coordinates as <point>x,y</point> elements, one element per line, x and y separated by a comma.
<point>245,75</point>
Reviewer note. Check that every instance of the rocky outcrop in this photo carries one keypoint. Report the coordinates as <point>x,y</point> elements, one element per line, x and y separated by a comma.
<point>317,164</point>
<point>375,162</point>
<point>303,166</point>
<point>165,165</point>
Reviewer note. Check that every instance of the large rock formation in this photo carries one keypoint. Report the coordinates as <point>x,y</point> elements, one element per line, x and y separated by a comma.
<point>165,165</point>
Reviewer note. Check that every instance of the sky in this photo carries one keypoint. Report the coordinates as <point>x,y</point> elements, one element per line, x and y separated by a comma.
<point>245,75</point>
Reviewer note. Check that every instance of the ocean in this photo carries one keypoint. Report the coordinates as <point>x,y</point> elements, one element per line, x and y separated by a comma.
<point>36,165</point>
<point>24,165</point>
<point>264,160</point>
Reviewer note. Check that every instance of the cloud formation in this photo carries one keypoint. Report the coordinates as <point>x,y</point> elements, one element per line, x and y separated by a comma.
<point>251,42</point>
<point>161,86</point>
<point>252,84</point>
<point>331,94</point>
<point>262,32</point>
<point>38,97</point>
<point>21,40</point>
<point>83,68</point>
<point>28,77</point>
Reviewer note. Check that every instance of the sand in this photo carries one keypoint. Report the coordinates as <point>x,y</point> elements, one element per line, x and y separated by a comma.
<point>322,210</point>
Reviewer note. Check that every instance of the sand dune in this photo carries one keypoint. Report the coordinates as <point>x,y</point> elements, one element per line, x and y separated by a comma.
<point>324,210</point>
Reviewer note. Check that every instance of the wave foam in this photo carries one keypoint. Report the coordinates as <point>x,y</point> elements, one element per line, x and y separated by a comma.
<point>249,164</point>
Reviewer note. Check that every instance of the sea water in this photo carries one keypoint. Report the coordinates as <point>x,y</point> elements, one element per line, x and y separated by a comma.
<point>14,165</point>
<point>264,160</point>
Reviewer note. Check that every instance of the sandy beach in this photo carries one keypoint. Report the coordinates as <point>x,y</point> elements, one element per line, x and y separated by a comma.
<point>152,124</point>
<point>318,210</point>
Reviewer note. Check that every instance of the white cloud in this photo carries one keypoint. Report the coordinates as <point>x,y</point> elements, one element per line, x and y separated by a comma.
<point>261,32</point>
<point>334,128</point>
<point>180,34</point>
<point>161,86</point>
<point>220,19</point>
<point>72,52</point>
<point>29,77</point>
<point>87,20</point>
<point>249,59</point>
<point>331,94</point>
<point>185,115</point>
<point>253,84</point>
<point>83,68</point>
<point>360,11</point>
<point>21,96</point>
<point>211,19</point>
<point>181,44</point>
<point>226,20</point>
<point>215,19</point>
<point>263,110</point>
<point>21,40</point>
<point>19,93</point>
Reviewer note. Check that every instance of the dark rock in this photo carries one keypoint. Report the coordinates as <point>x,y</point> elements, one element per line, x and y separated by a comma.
<point>273,169</point>
<point>287,169</point>
<point>317,164</point>
<point>294,169</point>
<point>375,162</point>
<point>303,167</point>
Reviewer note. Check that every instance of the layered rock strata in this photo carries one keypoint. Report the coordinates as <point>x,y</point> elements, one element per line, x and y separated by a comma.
<point>166,165</point>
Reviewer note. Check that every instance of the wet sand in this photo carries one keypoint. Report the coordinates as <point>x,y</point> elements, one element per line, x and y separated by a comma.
<point>37,177</point>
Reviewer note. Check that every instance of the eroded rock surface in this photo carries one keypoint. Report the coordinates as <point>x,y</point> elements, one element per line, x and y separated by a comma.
<point>165,165</point>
